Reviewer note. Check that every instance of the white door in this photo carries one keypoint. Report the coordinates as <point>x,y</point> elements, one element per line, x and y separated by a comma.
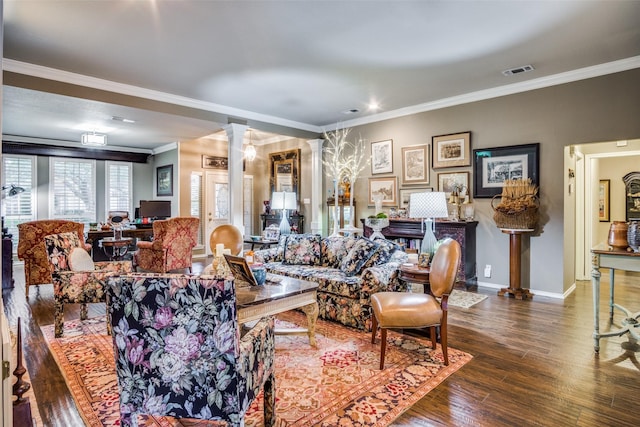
<point>216,192</point>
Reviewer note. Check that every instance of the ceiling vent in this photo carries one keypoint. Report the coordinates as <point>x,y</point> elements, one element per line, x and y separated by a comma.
<point>351,111</point>
<point>518,70</point>
<point>96,139</point>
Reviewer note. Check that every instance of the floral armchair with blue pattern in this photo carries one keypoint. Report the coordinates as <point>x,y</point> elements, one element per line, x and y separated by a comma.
<point>348,271</point>
<point>179,352</point>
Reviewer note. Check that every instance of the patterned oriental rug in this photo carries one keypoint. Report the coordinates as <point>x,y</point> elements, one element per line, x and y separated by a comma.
<point>338,384</point>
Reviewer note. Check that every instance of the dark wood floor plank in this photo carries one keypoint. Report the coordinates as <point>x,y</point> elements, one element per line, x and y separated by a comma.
<point>533,364</point>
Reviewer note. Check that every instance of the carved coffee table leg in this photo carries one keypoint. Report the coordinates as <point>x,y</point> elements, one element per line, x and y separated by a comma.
<point>311,311</point>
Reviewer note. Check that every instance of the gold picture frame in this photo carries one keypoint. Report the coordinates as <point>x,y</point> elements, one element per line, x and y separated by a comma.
<point>604,209</point>
<point>451,150</point>
<point>415,164</point>
<point>387,186</point>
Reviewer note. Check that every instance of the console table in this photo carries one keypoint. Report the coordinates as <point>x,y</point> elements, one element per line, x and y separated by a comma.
<point>295,221</point>
<point>462,231</point>
<point>603,256</point>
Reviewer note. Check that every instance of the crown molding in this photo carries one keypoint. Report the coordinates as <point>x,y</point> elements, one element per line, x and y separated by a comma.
<point>167,147</point>
<point>481,95</point>
<point>39,71</point>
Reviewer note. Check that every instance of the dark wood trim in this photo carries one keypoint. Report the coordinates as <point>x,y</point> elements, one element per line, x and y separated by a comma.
<point>9,147</point>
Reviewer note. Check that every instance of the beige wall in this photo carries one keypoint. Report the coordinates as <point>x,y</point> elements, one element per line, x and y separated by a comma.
<point>598,109</point>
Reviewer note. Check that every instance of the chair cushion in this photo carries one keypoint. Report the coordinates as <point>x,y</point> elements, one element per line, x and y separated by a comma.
<point>59,246</point>
<point>405,310</point>
<point>80,260</point>
<point>302,249</point>
<point>357,257</point>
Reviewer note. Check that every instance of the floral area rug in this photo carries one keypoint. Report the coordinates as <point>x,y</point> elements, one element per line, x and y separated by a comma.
<point>337,384</point>
<point>457,298</point>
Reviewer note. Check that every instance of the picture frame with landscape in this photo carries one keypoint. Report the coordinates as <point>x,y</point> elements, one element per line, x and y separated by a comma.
<point>451,150</point>
<point>415,164</point>
<point>387,186</point>
<point>405,195</point>
<point>450,180</point>
<point>382,157</point>
<point>492,166</point>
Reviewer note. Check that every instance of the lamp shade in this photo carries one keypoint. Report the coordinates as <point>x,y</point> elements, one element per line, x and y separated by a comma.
<point>290,200</point>
<point>277,200</point>
<point>428,205</point>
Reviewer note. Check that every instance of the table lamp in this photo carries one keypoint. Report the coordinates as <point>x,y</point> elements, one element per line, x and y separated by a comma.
<point>284,200</point>
<point>428,206</point>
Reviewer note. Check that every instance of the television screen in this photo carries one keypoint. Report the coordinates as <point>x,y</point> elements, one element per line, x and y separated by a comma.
<point>155,209</point>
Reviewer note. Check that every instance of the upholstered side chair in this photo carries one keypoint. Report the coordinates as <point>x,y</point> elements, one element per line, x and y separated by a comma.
<point>32,251</point>
<point>229,235</point>
<point>406,310</point>
<point>171,248</point>
<point>170,362</point>
<point>76,278</point>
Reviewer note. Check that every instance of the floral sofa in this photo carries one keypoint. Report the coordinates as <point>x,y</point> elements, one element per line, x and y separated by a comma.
<point>348,271</point>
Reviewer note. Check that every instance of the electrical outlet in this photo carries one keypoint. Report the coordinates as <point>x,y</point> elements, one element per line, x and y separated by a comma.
<point>487,270</point>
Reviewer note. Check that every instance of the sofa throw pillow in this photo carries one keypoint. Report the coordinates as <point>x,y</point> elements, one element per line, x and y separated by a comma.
<point>302,249</point>
<point>58,247</point>
<point>383,254</point>
<point>334,248</point>
<point>357,257</point>
<point>80,260</point>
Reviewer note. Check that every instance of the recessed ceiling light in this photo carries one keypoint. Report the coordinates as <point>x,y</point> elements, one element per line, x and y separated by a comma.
<point>122,119</point>
<point>351,111</point>
<point>374,106</point>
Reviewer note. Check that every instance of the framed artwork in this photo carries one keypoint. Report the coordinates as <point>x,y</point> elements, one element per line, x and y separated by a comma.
<point>491,166</point>
<point>405,195</point>
<point>415,164</point>
<point>240,269</point>
<point>603,200</point>
<point>387,187</point>
<point>451,150</point>
<point>450,180</point>
<point>164,180</point>
<point>215,162</point>
<point>382,157</point>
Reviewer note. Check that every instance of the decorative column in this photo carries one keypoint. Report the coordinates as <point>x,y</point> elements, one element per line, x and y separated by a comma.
<point>317,203</point>
<point>235,134</point>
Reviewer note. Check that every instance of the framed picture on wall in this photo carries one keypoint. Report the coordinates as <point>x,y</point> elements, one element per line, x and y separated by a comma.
<point>386,187</point>
<point>405,195</point>
<point>603,200</point>
<point>493,165</point>
<point>451,150</point>
<point>450,180</point>
<point>164,180</point>
<point>415,164</point>
<point>382,157</point>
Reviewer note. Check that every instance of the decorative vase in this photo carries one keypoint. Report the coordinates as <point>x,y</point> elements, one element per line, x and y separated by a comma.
<point>633,236</point>
<point>618,235</point>
<point>259,272</point>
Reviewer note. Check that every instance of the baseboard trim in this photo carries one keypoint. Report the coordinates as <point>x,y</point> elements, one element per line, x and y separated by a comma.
<point>535,292</point>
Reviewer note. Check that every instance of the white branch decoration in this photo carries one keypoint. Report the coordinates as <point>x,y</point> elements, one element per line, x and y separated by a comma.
<point>354,165</point>
<point>336,163</point>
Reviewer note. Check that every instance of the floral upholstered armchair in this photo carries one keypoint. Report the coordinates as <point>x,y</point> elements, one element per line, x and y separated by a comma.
<point>172,246</point>
<point>179,352</point>
<point>32,251</point>
<point>76,278</point>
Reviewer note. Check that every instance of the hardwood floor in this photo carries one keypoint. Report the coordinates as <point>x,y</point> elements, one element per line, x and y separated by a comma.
<point>533,365</point>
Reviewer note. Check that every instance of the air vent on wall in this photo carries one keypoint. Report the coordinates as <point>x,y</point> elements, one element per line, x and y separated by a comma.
<point>518,70</point>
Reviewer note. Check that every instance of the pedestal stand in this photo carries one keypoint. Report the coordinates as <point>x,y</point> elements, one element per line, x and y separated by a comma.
<point>21,406</point>
<point>515,264</point>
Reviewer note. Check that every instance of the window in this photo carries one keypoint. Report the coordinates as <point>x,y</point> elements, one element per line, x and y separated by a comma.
<point>21,172</point>
<point>119,187</point>
<point>196,201</point>
<point>72,189</point>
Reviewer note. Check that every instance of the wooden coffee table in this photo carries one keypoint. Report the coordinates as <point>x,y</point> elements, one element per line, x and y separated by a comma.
<point>255,302</point>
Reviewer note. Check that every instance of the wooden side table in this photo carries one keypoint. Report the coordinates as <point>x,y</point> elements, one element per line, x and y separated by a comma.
<point>117,247</point>
<point>413,273</point>
<point>515,264</point>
